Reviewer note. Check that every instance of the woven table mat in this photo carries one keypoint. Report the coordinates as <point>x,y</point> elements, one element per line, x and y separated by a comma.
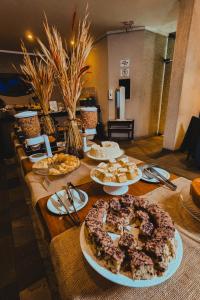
<point>77,280</point>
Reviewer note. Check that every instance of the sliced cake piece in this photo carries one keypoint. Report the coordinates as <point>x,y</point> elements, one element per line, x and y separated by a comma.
<point>146,230</point>
<point>127,200</point>
<point>140,203</point>
<point>142,266</point>
<point>114,205</point>
<point>141,217</point>
<point>121,177</point>
<point>101,204</point>
<point>127,215</point>
<point>95,214</point>
<point>123,161</point>
<point>113,258</point>
<point>114,223</point>
<point>167,235</point>
<point>159,252</point>
<point>108,177</point>
<point>131,174</point>
<point>127,241</point>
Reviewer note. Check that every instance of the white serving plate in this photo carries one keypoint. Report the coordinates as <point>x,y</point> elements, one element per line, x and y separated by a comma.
<point>54,206</point>
<point>105,158</point>
<point>116,188</point>
<point>123,279</point>
<point>154,180</point>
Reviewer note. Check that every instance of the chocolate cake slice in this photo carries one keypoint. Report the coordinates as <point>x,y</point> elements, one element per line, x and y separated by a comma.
<point>127,242</point>
<point>167,235</point>
<point>140,217</point>
<point>127,200</point>
<point>142,266</point>
<point>114,205</point>
<point>159,252</point>
<point>140,203</point>
<point>95,214</point>
<point>113,258</point>
<point>146,230</point>
<point>101,204</point>
<point>127,215</point>
<point>114,223</point>
<point>99,239</point>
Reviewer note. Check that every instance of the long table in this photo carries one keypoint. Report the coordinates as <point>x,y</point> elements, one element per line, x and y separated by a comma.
<point>55,225</point>
<point>76,280</point>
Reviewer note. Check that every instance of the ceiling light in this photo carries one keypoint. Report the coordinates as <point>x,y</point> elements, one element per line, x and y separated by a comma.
<point>29,36</point>
<point>72,42</point>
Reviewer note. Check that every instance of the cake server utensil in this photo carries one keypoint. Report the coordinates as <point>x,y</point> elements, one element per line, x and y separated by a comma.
<point>66,209</point>
<point>153,170</point>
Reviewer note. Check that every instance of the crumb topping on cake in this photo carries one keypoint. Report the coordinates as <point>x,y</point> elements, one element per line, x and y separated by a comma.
<point>145,252</point>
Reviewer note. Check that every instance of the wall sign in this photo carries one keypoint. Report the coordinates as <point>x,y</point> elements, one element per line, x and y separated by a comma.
<point>124,72</point>
<point>124,63</point>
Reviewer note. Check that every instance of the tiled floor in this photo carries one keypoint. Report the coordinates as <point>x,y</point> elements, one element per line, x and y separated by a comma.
<point>22,270</point>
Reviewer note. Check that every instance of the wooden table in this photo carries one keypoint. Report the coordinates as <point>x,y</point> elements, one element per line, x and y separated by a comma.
<point>54,225</point>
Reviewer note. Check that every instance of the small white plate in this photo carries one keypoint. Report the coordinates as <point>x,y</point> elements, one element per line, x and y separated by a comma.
<point>154,180</point>
<point>54,206</point>
<point>123,279</point>
<point>105,158</point>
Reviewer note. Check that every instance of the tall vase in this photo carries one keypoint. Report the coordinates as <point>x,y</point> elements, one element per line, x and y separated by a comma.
<point>73,139</point>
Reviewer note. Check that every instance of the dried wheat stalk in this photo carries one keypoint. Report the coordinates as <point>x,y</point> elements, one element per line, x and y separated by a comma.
<point>40,76</point>
<point>69,67</point>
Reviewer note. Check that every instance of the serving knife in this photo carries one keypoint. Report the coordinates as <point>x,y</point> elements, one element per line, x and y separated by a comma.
<point>66,209</point>
<point>81,195</point>
<point>71,200</point>
<point>153,170</point>
<point>153,175</point>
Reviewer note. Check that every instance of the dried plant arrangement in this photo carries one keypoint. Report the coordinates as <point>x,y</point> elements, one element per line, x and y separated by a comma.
<point>40,76</point>
<point>69,64</point>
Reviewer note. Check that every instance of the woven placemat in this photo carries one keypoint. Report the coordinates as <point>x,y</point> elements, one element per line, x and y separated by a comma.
<point>77,280</point>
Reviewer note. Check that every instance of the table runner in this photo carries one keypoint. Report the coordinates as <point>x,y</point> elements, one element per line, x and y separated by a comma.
<point>77,280</point>
<point>40,189</point>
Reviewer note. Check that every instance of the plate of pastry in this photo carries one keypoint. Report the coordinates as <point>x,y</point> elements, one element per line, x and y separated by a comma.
<point>116,175</point>
<point>131,242</point>
<point>108,150</point>
<point>59,164</point>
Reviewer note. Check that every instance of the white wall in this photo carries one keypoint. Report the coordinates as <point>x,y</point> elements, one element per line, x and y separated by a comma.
<point>144,49</point>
